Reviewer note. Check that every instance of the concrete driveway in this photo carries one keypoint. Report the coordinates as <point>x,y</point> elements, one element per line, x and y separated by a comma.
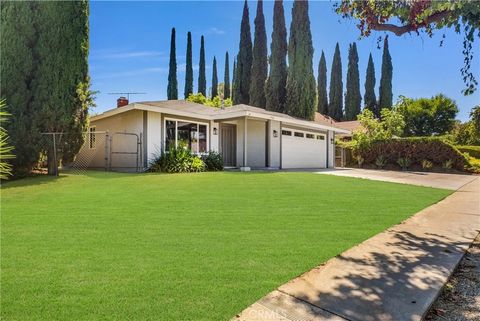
<point>438,180</point>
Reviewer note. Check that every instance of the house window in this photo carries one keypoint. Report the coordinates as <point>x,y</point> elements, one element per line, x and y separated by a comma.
<point>91,138</point>
<point>186,134</point>
<point>320,137</point>
<point>311,136</point>
<point>298,134</point>
<point>286,133</point>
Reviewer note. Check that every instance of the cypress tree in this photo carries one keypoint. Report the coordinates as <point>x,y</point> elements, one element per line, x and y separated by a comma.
<point>226,78</point>
<point>189,68</point>
<point>234,78</point>
<point>370,99</point>
<point>322,106</point>
<point>353,97</point>
<point>214,78</point>
<point>202,77</point>
<point>275,87</point>
<point>172,90</point>
<point>335,107</point>
<point>244,61</point>
<point>301,91</point>
<point>386,95</point>
<point>260,60</point>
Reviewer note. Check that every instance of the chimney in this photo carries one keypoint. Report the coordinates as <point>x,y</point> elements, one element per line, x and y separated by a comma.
<point>122,101</point>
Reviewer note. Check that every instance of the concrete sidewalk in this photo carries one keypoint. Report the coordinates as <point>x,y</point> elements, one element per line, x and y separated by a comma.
<point>395,275</point>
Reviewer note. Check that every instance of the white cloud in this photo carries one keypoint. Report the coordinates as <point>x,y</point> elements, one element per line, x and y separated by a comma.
<point>216,31</point>
<point>115,54</point>
<point>131,73</point>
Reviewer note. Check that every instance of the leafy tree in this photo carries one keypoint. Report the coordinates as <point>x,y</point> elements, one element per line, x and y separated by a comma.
<point>386,95</point>
<point>260,60</point>
<point>464,134</point>
<point>275,86</point>
<point>202,77</point>
<point>5,147</point>
<point>322,106</point>
<point>214,78</point>
<point>214,102</point>
<point>226,79</point>
<point>475,119</point>
<point>427,116</point>
<point>370,98</point>
<point>353,97</point>
<point>301,91</point>
<point>401,17</point>
<point>189,68</point>
<point>244,61</point>
<point>172,89</point>
<point>335,108</point>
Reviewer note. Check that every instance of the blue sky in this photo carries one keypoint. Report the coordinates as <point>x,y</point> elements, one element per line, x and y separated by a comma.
<point>130,41</point>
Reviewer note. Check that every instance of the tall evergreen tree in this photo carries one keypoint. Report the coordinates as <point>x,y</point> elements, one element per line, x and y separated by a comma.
<point>353,97</point>
<point>275,87</point>
<point>301,91</point>
<point>386,95</point>
<point>244,61</point>
<point>322,106</point>
<point>172,89</point>
<point>202,77</point>
<point>214,78</point>
<point>234,78</point>
<point>370,99</point>
<point>335,107</point>
<point>189,68</point>
<point>226,78</point>
<point>260,60</point>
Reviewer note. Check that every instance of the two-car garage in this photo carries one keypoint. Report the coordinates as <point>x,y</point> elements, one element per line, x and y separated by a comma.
<point>303,149</point>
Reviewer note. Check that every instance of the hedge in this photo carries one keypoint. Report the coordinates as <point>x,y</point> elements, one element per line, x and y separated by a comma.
<point>473,151</point>
<point>416,149</point>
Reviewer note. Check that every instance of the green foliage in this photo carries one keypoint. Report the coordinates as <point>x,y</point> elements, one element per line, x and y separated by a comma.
<point>464,134</point>
<point>380,161</point>
<point>370,99</point>
<point>202,76</point>
<point>475,119</point>
<point>427,116</point>
<point>213,161</point>
<point>472,151</point>
<point>243,74</point>
<point>359,159</point>
<point>301,87</point>
<point>172,88</point>
<point>214,102</point>
<point>176,160</point>
<point>335,107</point>
<point>234,74</point>
<point>322,105</point>
<point>188,68</point>
<point>214,78</point>
<point>447,165</point>
<point>353,97</point>
<point>275,87</point>
<point>386,95</point>
<point>5,147</point>
<point>426,164</point>
<point>226,79</point>
<point>419,15</point>
<point>404,163</point>
<point>260,60</point>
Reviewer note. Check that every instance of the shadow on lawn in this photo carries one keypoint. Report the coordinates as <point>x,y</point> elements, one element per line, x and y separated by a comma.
<point>397,286</point>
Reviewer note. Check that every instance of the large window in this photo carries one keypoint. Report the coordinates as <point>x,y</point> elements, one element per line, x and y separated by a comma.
<point>190,135</point>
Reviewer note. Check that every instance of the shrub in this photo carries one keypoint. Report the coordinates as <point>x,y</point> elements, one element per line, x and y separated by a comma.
<point>5,148</point>
<point>176,160</point>
<point>473,151</point>
<point>197,165</point>
<point>213,161</point>
<point>447,165</point>
<point>359,160</point>
<point>381,161</point>
<point>404,163</point>
<point>426,164</point>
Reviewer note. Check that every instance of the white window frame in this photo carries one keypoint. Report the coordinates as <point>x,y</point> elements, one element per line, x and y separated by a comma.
<point>176,120</point>
<point>90,135</point>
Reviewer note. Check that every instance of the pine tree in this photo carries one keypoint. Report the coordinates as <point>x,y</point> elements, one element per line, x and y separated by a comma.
<point>260,60</point>
<point>275,86</point>
<point>353,97</point>
<point>226,78</point>
<point>214,78</point>
<point>172,89</point>
<point>244,61</point>
<point>370,99</point>
<point>335,107</point>
<point>301,91</point>
<point>322,106</point>
<point>189,68</point>
<point>234,78</point>
<point>386,95</point>
<point>202,77</point>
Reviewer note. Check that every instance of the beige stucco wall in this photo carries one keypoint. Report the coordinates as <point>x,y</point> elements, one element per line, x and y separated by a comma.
<point>331,149</point>
<point>274,144</point>
<point>154,135</point>
<point>256,143</point>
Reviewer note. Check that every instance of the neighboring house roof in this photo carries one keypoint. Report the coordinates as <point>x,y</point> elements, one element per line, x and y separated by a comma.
<point>189,109</point>
<point>350,125</point>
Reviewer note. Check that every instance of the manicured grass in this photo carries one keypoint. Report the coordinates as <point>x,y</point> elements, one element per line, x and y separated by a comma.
<point>109,246</point>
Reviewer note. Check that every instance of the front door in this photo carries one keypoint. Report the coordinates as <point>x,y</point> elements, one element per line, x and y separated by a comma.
<point>228,144</point>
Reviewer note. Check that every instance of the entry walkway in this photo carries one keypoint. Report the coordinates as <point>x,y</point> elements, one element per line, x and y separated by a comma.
<point>395,275</point>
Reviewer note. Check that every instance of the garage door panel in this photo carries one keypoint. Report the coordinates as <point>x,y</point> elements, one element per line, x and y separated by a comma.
<point>308,151</point>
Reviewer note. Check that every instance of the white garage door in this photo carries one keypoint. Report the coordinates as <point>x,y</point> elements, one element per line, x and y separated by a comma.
<point>303,149</point>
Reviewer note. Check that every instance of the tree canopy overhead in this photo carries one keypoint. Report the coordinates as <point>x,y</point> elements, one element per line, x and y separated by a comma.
<point>401,17</point>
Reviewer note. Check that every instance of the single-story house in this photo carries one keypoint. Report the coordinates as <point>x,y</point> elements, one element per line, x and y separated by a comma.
<point>128,136</point>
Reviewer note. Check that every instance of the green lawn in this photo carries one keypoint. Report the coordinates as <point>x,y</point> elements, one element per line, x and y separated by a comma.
<point>109,246</point>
